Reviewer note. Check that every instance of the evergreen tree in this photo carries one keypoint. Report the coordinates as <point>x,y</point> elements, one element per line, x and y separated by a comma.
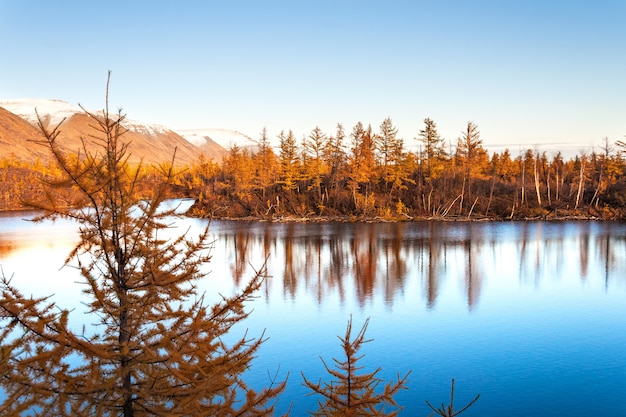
<point>335,157</point>
<point>239,171</point>
<point>387,144</point>
<point>351,393</point>
<point>434,149</point>
<point>315,169</point>
<point>156,347</point>
<point>472,157</point>
<point>361,161</point>
<point>289,163</point>
<point>265,164</point>
<point>448,410</point>
<point>401,166</point>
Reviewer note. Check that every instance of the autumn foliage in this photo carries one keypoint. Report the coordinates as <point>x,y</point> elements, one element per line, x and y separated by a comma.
<point>369,174</point>
<point>352,392</point>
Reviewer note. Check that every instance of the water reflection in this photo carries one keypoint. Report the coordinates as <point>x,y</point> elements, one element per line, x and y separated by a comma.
<point>366,261</point>
<point>363,262</point>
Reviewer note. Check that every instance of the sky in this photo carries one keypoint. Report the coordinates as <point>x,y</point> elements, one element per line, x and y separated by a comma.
<point>541,74</point>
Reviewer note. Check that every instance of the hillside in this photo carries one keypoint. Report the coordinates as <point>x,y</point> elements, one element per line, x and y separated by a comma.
<point>18,137</point>
<point>150,143</point>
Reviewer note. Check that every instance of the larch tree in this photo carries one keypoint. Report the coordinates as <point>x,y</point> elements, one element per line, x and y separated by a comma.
<point>315,168</point>
<point>335,157</point>
<point>155,347</point>
<point>289,163</point>
<point>448,410</point>
<point>386,143</point>
<point>471,154</point>
<point>265,164</point>
<point>361,160</point>
<point>558,165</point>
<point>352,393</point>
<point>239,171</point>
<point>400,168</point>
<point>582,174</point>
<point>536,173</point>
<point>607,168</point>
<point>434,149</point>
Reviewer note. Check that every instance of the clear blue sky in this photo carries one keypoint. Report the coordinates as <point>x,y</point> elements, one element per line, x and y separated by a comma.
<point>526,72</point>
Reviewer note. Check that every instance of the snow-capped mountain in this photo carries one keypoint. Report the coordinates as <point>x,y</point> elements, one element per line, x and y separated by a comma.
<point>147,142</point>
<point>54,111</point>
<point>226,138</point>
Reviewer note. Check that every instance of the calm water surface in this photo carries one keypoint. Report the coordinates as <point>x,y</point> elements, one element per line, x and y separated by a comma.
<point>531,315</point>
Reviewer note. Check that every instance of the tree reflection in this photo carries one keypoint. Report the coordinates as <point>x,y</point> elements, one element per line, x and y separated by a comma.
<point>338,266</point>
<point>269,246</point>
<point>388,262</point>
<point>431,247</point>
<point>291,272</point>
<point>240,242</point>
<point>584,251</point>
<point>395,263</point>
<point>472,280</point>
<point>364,262</point>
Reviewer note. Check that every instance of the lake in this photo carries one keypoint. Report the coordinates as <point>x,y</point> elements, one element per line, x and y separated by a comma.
<point>530,315</point>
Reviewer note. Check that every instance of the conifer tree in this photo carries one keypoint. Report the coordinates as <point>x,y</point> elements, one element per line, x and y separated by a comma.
<point>361,161</point>
<point>386,141</point>
<point>448,410</point>
<point>472,156</point>
<point>265,163</point>
<point>289,162</point>
<point>156,345</point>
<point>434,151</point>
<point>314,146</point>
<point>351,393</point>
<point>239,171</point>
<point>335,157</point>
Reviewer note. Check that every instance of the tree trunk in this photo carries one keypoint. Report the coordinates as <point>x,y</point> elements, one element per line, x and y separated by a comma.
<point>537,182</point>
<point>523,195</point>
<point>493,182</point>
<point>581,182</point>
<point>548,187</point>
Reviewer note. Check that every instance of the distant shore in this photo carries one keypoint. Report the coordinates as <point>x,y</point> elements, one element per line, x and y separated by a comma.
<point>402,219</point>
<point>548,215</point>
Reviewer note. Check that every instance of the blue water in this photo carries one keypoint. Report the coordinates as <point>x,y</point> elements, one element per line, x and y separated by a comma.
<point>530,315</point>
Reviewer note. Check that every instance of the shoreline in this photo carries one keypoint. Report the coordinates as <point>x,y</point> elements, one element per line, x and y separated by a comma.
<point>377,219</point>
<point>569,215</point>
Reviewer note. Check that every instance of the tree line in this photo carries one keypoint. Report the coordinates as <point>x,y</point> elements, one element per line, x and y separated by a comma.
<point>365,174</point>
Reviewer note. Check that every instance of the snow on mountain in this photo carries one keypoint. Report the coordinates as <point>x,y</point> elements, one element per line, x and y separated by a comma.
<point>57,110</point>
<point>54,111</point>
<point>223,137</point>
<point>145,129</point>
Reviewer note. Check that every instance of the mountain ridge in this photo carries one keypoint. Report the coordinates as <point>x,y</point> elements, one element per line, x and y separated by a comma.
<point>152,143</point>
